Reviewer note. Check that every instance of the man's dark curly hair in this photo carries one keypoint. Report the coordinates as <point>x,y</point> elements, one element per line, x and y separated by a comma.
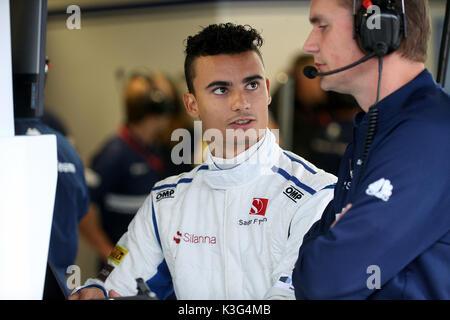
<point>215,39</point>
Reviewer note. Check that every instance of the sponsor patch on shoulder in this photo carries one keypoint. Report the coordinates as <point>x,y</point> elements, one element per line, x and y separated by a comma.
<point>117,254</point>
<point>293,193</point>
<point>165,194</point>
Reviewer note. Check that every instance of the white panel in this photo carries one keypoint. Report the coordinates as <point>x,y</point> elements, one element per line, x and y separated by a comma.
<point>6,95</point>
<point>28,171</point>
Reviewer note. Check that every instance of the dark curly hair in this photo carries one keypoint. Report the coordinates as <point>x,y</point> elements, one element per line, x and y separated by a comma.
<point>215,39</point>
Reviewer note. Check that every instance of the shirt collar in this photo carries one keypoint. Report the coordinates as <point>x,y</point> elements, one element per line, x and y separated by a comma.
<point>396,101</point>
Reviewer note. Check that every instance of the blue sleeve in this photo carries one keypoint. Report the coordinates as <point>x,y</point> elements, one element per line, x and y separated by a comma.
<point>388,231</point>
<point>84,192</point>
<point>107,166</point>
<point>75,188</point>
<point>322,225</point>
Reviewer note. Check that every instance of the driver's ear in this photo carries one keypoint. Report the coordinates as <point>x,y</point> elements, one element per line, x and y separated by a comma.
<point>191,105</point>
<point>268,91</point>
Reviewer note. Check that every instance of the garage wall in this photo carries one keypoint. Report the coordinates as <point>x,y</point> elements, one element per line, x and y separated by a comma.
<point>82,86</point>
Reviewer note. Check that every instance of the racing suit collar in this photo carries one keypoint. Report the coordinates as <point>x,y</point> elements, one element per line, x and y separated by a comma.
<point>216,163</point>
<point>243,168</point>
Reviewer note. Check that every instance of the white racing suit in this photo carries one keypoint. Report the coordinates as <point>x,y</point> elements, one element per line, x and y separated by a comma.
<point>223,233</point>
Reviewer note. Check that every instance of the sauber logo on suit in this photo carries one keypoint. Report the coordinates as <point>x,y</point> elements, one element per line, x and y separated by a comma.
<point>259,206</point>
<point>252,222</point>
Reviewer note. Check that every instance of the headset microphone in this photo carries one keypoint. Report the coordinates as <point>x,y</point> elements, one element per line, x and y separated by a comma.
<point>311,72</point>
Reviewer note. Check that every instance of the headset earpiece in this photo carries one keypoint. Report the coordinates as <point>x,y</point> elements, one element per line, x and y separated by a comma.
<point>381,30</point>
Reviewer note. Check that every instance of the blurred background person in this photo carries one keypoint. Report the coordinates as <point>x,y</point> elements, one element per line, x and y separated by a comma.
<point>314,124</point>
<point>71,198</point>
<point>126,167</point>
<point>334,131</point>
<point>179,119</point>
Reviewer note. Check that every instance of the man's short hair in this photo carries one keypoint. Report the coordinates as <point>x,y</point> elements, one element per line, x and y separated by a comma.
<point>415,46</point>
<point>215,39</point>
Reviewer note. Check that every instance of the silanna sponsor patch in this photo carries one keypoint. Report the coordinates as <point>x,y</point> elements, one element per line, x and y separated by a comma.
<point>117,254</point>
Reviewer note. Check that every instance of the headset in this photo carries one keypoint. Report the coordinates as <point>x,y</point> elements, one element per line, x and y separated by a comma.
<point>379,32</point>
<point>381,36</point>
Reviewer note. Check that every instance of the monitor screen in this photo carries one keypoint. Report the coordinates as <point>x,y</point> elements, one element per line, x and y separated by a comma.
<point>28,36</point>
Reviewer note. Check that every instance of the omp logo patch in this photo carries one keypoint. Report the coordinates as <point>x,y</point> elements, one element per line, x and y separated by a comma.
<point>293,193</point>
<point>165,194</point>
<point>117,254</point>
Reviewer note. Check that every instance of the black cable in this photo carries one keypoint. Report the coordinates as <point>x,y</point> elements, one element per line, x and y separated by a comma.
<point>380,71</point>
<point>444,52</point>
<point>371,131</point>
<point>372,116</point>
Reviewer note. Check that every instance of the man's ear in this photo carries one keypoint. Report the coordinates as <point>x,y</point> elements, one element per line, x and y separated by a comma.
<point>191,105</point>
<point>268,91</point>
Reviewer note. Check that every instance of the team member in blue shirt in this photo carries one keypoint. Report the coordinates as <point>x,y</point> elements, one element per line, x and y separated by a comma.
<point>386,234</point>
<point>124,170</point>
